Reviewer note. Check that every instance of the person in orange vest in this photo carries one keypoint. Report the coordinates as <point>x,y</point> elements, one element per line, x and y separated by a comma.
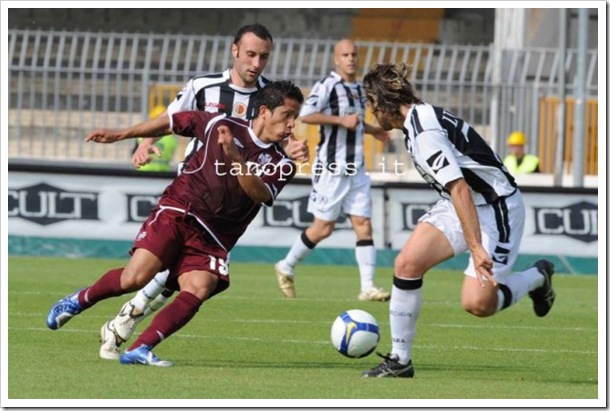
<point>167,144</point>
<point>517,162</point>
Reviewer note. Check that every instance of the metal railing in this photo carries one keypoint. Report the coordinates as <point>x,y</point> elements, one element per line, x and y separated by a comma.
<point>64,84</point>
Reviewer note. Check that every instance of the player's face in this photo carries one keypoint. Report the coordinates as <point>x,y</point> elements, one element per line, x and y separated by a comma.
<point>250,55</point>
<point>279,123</point>
<point>384,120</point>
<point>346,59</point>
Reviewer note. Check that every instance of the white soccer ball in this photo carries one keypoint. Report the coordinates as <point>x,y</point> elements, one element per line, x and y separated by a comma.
<point>355,333</point>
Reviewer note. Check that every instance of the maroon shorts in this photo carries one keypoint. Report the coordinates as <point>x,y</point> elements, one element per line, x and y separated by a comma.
<point>182,245</point>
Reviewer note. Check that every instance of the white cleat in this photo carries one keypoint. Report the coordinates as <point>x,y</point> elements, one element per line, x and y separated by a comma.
<point>110,342</point>
<point>126,321</point>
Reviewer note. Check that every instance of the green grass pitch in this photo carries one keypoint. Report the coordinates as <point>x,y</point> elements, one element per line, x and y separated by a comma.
<point>251,343</point>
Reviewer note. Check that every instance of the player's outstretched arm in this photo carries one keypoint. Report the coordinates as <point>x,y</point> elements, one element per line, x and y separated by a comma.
<point>155,127</point>
<point>249,182</point>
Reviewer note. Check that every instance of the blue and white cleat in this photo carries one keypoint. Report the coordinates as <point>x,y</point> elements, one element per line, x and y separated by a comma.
<point>143,356</point>
<point>63,311</point>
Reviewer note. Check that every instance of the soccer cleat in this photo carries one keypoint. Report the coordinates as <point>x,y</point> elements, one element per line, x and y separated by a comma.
<point>126,321</point>
<point>143,356</point>
<point>374,294</point>
<point>111,342</point>
<point>544,296</point>
<point>285,281</point>
<point>391,368</point>
<point>63,311</point>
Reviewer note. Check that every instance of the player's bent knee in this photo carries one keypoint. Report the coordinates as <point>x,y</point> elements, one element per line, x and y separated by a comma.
<point>407,267</point>
<point>132,281</point>
<point>479,307</point>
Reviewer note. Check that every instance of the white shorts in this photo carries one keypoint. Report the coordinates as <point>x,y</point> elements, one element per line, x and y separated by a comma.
<point>333,194</point>
<point>501,231</point>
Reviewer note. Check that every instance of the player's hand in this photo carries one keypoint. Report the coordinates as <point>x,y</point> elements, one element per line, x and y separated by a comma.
<point>141,156</point>
<point>483,266</point>
<point>297,150</point>
<point>225,139</point>
<point>351,121</point>
<point>102,136</point>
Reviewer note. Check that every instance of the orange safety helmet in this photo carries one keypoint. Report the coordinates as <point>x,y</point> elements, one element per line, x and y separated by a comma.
<point>516,138</point>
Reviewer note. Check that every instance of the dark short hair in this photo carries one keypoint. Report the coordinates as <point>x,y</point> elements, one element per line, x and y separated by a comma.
<point>273,95</point>
<point>257,29</point>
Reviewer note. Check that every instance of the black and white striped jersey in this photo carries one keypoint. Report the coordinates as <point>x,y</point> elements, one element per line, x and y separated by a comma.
<point>444,148</point>
<point>214,93</point>
<point>338,145</point>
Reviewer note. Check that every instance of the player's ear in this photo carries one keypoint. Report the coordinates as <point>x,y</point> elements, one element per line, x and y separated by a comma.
<point>262,111</point>
<point>235,50</point>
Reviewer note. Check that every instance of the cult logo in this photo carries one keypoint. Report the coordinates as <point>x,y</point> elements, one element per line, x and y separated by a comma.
<point>139,206</point>
<point>44,204</point>
<point>578,221</point>
<point>293,213</point>
<point>411,212</point>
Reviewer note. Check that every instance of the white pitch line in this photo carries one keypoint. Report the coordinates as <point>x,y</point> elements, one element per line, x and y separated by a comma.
<point>324,342</point>
<point>440,325</point>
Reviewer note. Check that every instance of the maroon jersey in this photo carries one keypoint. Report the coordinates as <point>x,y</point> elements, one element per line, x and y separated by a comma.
<point>208,188</point>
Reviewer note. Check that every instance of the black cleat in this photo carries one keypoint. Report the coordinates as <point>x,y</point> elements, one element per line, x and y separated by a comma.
<point>391,368</point>
<point>544,296</point>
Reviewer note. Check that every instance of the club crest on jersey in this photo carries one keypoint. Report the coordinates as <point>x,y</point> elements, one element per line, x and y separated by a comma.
<point>437,161</point>
<point>239,110</point>
<point>264,158</point>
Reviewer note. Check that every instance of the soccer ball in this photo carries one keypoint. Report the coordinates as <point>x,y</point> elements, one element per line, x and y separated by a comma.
<point>355,333</point>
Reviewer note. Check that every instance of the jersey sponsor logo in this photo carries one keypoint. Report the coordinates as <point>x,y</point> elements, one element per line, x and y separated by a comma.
<point>577,221</point>
<point>45,204</point>
<point>429,179</point>
<point>141,235</point>
<point>239,110</point>
<point>437,161</point>
<point>213,105</point>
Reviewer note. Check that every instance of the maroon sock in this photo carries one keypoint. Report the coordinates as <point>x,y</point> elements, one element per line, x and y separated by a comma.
<point>109,285</point>
<point>169,320</point>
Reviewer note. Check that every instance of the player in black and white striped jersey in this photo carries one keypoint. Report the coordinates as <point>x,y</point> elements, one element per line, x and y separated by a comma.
<point>218,93</point>
<point>340,183</point>
<point>231,92</point>
<point>481,210</point>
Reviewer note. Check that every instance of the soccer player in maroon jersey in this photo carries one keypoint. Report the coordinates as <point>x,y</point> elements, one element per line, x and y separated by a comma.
<point>232,92</point>
<point>200,215</point>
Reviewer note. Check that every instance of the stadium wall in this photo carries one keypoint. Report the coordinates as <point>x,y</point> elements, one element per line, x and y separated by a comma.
<point>86,212</point>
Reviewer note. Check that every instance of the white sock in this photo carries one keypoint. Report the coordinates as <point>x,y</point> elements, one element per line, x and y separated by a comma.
<point>518,284</point>
<point>405,305</point>
<point>301,247</point>
<point>150,291</point>
<point>155,304</point>
<point>366,256</point>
